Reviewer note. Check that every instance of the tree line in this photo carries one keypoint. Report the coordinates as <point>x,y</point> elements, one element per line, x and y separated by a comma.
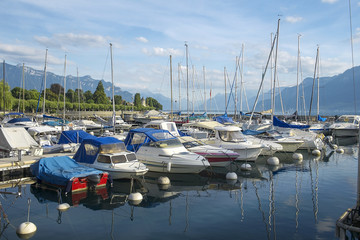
<point>19,99</point>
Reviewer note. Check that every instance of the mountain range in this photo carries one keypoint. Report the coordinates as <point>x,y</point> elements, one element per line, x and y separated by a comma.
<point>336,92</point>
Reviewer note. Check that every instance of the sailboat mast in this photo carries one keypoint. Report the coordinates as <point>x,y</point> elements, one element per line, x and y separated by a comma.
<point>318,86</point>
<point>23,86</point>
<point>77,74</point>
<point>275,68</point>
<point>225,89</point>
<point>112,82</point>
<point>241,76</point>
<point>64,87</point>
<point>171,111</point>
<point>236,83</point>
<point>4,85</point>
<point>312,91</point>
<point>187,80</point>
<point>204,89</point>
<point>297,78</point>
<point>45,82</point>
<point>193,88</point>
<point>179,68</point>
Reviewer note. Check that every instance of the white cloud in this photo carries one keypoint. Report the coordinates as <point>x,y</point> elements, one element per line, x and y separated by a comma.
<point>142,39</point>
<point>158,51</point>
<point>292,19</point>
<point>61,40</point>
<point>329,1</point>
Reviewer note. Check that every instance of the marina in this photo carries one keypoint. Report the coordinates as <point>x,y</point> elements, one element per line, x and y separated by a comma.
<point>294,200</point>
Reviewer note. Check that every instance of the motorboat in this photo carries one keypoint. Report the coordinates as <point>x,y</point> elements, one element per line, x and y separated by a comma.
<point>18,119</point>
<point>288,144</point>
<point>230,137</point>
<point>162,152</point>
<point>16,141</point>
<point>88,125</point>
<point>63,172</point>
<point>109,154</point>
<point>217,156</point>
<point>47,137</point>
<point>346,126</point>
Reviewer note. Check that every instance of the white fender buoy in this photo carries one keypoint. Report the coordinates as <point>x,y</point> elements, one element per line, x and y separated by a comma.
<point>340,150</point>
<point>274,161</point>
<point>297,156</point>
<point>26,230</point>
<point>63,207</point>
<point>92,133</point>
<point>245,167</point>
<point>316,152</point>
<point>135,198</point>
<point>231,176</point>
<point>163,180</point>
<point>168,167</point>
<point>335,146</point>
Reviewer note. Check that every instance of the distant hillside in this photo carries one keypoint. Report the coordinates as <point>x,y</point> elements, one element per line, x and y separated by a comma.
<point>34,80</point>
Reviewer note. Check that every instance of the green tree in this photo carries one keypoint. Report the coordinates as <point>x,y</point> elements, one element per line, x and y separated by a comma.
<point>57,89</point>
<point>31,94</point>
<point>118,100</point>
<point>8,97</point>
<point>70,96</point>
<point>137,100</point>
<point>88,97</point>
<point>151,102</point>
<point>99,95</point>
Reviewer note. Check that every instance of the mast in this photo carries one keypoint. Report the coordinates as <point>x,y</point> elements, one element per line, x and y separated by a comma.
<point>179,67</point>
<point>241,77</point>
<point>4,85</point>
<point>236,82</point>
<point>187,80</point>
<point>275,69</point>
<point>171,112</point>
<point>312,91</point>
<point>21,87</point>
<point>193,88</point>
<point>43,111</point>
<point>204,90</point>
<point>318,87</point>
<point>113,94</point>
<point>297,79</point>
<point>77,73</point>
<point>225,89</point>
<point>23,90</point>
<point>64,86</point>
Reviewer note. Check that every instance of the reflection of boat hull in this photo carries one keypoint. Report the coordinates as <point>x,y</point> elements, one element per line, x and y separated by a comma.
<point>345,132</point>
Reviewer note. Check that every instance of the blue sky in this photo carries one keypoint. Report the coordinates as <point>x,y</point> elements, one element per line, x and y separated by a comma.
<point>144,34</point>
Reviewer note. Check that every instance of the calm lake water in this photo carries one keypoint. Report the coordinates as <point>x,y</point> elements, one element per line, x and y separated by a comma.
<point>296,200</point>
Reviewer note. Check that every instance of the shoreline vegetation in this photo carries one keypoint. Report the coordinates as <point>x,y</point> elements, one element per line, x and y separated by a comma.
<point>31,101</point>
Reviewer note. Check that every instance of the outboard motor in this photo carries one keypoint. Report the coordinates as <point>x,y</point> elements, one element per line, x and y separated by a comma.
<point>329,141</point>
<point>93,180</point>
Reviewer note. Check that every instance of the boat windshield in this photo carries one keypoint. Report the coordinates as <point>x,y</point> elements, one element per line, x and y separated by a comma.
<point>194,143</point>
<point>346,119</point>
<point>231,136</point>
<point>112,148</point>
<point>165,143</point>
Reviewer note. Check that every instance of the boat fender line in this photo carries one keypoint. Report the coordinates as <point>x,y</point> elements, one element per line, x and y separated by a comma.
<point>110,180</point>
<point>168,166</point>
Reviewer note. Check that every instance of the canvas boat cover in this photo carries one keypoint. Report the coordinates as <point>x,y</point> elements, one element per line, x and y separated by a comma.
<point>91,147</point>
<point>278,123</point>
<point>60,170</point>
<point>73,136</point>
<point>223,119</point>
<point>16,138</point>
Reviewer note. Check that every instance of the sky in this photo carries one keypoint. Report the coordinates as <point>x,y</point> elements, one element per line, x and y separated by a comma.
<point>145,33</point>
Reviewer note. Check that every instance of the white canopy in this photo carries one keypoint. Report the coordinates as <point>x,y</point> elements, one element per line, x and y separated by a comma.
<point>15,138</point>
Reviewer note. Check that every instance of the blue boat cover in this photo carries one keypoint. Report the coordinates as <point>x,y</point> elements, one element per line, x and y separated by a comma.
<point>223,119</point>
<point>73,136</point>
<point>60,170</point>
<point>151,134</point>
<point>252,132</point>
<point>17,120</point>
<point>321,119</point>
<point>90,148</point>
<point>278,123</point>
